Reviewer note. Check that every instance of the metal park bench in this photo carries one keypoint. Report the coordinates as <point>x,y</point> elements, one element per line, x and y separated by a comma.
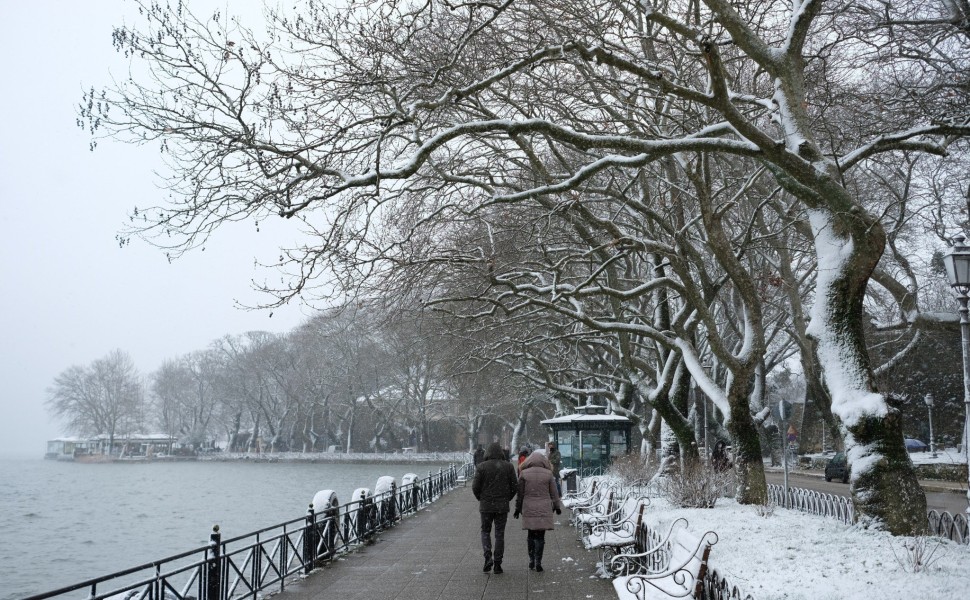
<point>673,568</point>
<point>613,538</point>
<point>591,487</point>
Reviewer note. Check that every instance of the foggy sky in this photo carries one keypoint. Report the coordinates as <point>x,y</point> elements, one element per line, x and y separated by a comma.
<point>69,294</point>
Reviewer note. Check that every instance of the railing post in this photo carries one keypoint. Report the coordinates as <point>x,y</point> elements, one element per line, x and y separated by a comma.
<point>392,511</point>
<point>213,568</point>
<point>310,541</point>
<point>332,529</point>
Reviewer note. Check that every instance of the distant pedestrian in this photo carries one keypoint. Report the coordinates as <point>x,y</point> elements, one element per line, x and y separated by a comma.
<point>523,454</point>
<point>494,487</point>
<point>536,500</point>
<point>719,457</point>
<point>555,459</point>
<point>479,455</point>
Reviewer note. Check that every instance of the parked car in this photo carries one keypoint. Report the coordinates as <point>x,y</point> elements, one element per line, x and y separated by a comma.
<point>837,468</point>
<point>913,445</point>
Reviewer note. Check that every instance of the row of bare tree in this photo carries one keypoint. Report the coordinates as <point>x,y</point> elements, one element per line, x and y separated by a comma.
<point>355,380</point>
<point>620,197</point>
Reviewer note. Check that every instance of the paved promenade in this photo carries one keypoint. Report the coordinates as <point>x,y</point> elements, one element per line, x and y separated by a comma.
<point>436,555</point>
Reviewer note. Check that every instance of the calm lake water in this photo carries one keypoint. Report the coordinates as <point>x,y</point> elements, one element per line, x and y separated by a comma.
<point>62,523</point>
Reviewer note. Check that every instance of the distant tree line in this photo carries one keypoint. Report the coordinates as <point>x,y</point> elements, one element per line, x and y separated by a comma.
<point>357,379</point>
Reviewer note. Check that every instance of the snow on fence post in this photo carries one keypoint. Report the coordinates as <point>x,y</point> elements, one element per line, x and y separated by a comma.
<point>310,537</point>
<point>213,568</point>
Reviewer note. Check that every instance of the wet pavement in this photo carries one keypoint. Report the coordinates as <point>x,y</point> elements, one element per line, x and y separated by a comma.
<point>436,555</point>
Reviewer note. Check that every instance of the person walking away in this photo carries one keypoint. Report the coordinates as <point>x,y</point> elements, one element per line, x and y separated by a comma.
<point>536,501</point>
<point>555,459</point>
<point>479,455</point>
<point>494,487</point>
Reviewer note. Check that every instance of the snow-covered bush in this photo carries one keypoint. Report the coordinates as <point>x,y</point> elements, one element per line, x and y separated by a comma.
<point>630,469</point>
<point>765,510</point>
<point>917,554</point>
<point>695,485</point>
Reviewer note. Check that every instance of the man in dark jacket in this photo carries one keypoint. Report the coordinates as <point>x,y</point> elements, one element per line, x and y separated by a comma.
<point>494,487</point>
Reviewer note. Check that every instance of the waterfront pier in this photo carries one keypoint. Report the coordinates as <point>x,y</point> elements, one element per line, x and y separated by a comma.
<point>437,555</point>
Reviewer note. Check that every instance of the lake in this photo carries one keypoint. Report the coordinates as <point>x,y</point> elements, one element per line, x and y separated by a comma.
<point>62,522</point>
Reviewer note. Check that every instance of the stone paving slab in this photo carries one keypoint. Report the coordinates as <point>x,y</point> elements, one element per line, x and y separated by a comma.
<point>436,555</point>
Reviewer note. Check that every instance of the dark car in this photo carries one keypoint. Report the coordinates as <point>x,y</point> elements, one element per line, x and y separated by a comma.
<point>837,468</point>
<point>915,445</point>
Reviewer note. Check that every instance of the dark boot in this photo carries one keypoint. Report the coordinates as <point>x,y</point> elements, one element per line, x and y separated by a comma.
<point>488,562</point>
<point>540,545</point>
<point>498,568</point>
<point>532,552</point>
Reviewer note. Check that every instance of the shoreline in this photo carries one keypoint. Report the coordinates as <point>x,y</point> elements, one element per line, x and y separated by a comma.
<point>339,457</point>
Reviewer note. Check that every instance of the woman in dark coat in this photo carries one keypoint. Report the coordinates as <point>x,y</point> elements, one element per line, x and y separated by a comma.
<point>536,500</point>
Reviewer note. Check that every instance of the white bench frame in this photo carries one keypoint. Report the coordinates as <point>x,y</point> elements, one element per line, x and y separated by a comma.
<point>584,519</point>
<point>682,575</point>
<point>613,537</point>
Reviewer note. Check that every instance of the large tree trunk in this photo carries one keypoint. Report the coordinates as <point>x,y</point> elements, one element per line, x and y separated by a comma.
<point>817,425</point>
<point>749,466</point>
<point>672,409</point>
<point>884,487</point>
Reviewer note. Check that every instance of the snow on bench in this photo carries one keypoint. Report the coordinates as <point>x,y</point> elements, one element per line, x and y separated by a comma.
<point>611,539</point>
<point>682,573</point>
<point>583,497</point>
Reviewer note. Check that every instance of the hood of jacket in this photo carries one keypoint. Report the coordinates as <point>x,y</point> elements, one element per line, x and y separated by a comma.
<point>494,451</point>
<point>537,459</point>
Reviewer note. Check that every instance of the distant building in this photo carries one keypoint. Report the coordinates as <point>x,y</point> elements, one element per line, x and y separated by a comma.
<point>132,445</point>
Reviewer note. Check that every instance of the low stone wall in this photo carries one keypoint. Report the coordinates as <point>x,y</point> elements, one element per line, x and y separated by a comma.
<point>942,472</point>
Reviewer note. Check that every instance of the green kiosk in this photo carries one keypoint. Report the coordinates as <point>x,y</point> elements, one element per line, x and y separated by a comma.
<point>590,438</point>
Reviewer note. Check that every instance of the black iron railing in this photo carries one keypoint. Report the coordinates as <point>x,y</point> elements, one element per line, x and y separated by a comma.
<point>264,560</point>
<point>813,502</point>
<point>953,527</point>
<point>942,524</point>
<point>715,587</point>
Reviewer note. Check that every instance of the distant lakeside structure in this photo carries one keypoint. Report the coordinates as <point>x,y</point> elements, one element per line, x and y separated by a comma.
<point>165,448</point>
<point>136,446</point>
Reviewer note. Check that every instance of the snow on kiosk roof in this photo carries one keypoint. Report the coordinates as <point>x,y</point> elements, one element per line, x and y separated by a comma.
<point>589,416</point>
<point>578,418</point>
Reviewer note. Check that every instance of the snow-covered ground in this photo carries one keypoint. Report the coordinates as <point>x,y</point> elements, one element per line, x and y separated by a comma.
<point>945,456</point>
<point>793,555</point>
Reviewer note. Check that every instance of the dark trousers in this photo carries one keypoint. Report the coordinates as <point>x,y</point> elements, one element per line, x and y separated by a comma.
<point>536,541</point>
<point>499,519</point>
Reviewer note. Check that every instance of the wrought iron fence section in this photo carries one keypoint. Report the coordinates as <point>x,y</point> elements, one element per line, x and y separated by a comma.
<point>250,564</point>
<point>716,587</point>
<point>268,561</point>
<point>953,527</point>
<point>942,524</point>
<point>814,502</point>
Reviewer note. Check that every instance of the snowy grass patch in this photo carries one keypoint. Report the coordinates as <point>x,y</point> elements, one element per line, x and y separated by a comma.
<point>796,556</point>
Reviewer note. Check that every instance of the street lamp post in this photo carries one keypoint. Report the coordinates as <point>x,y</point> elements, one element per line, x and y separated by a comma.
<point>957,263</point>
<point>929,407</point>
<point>707,454</point>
